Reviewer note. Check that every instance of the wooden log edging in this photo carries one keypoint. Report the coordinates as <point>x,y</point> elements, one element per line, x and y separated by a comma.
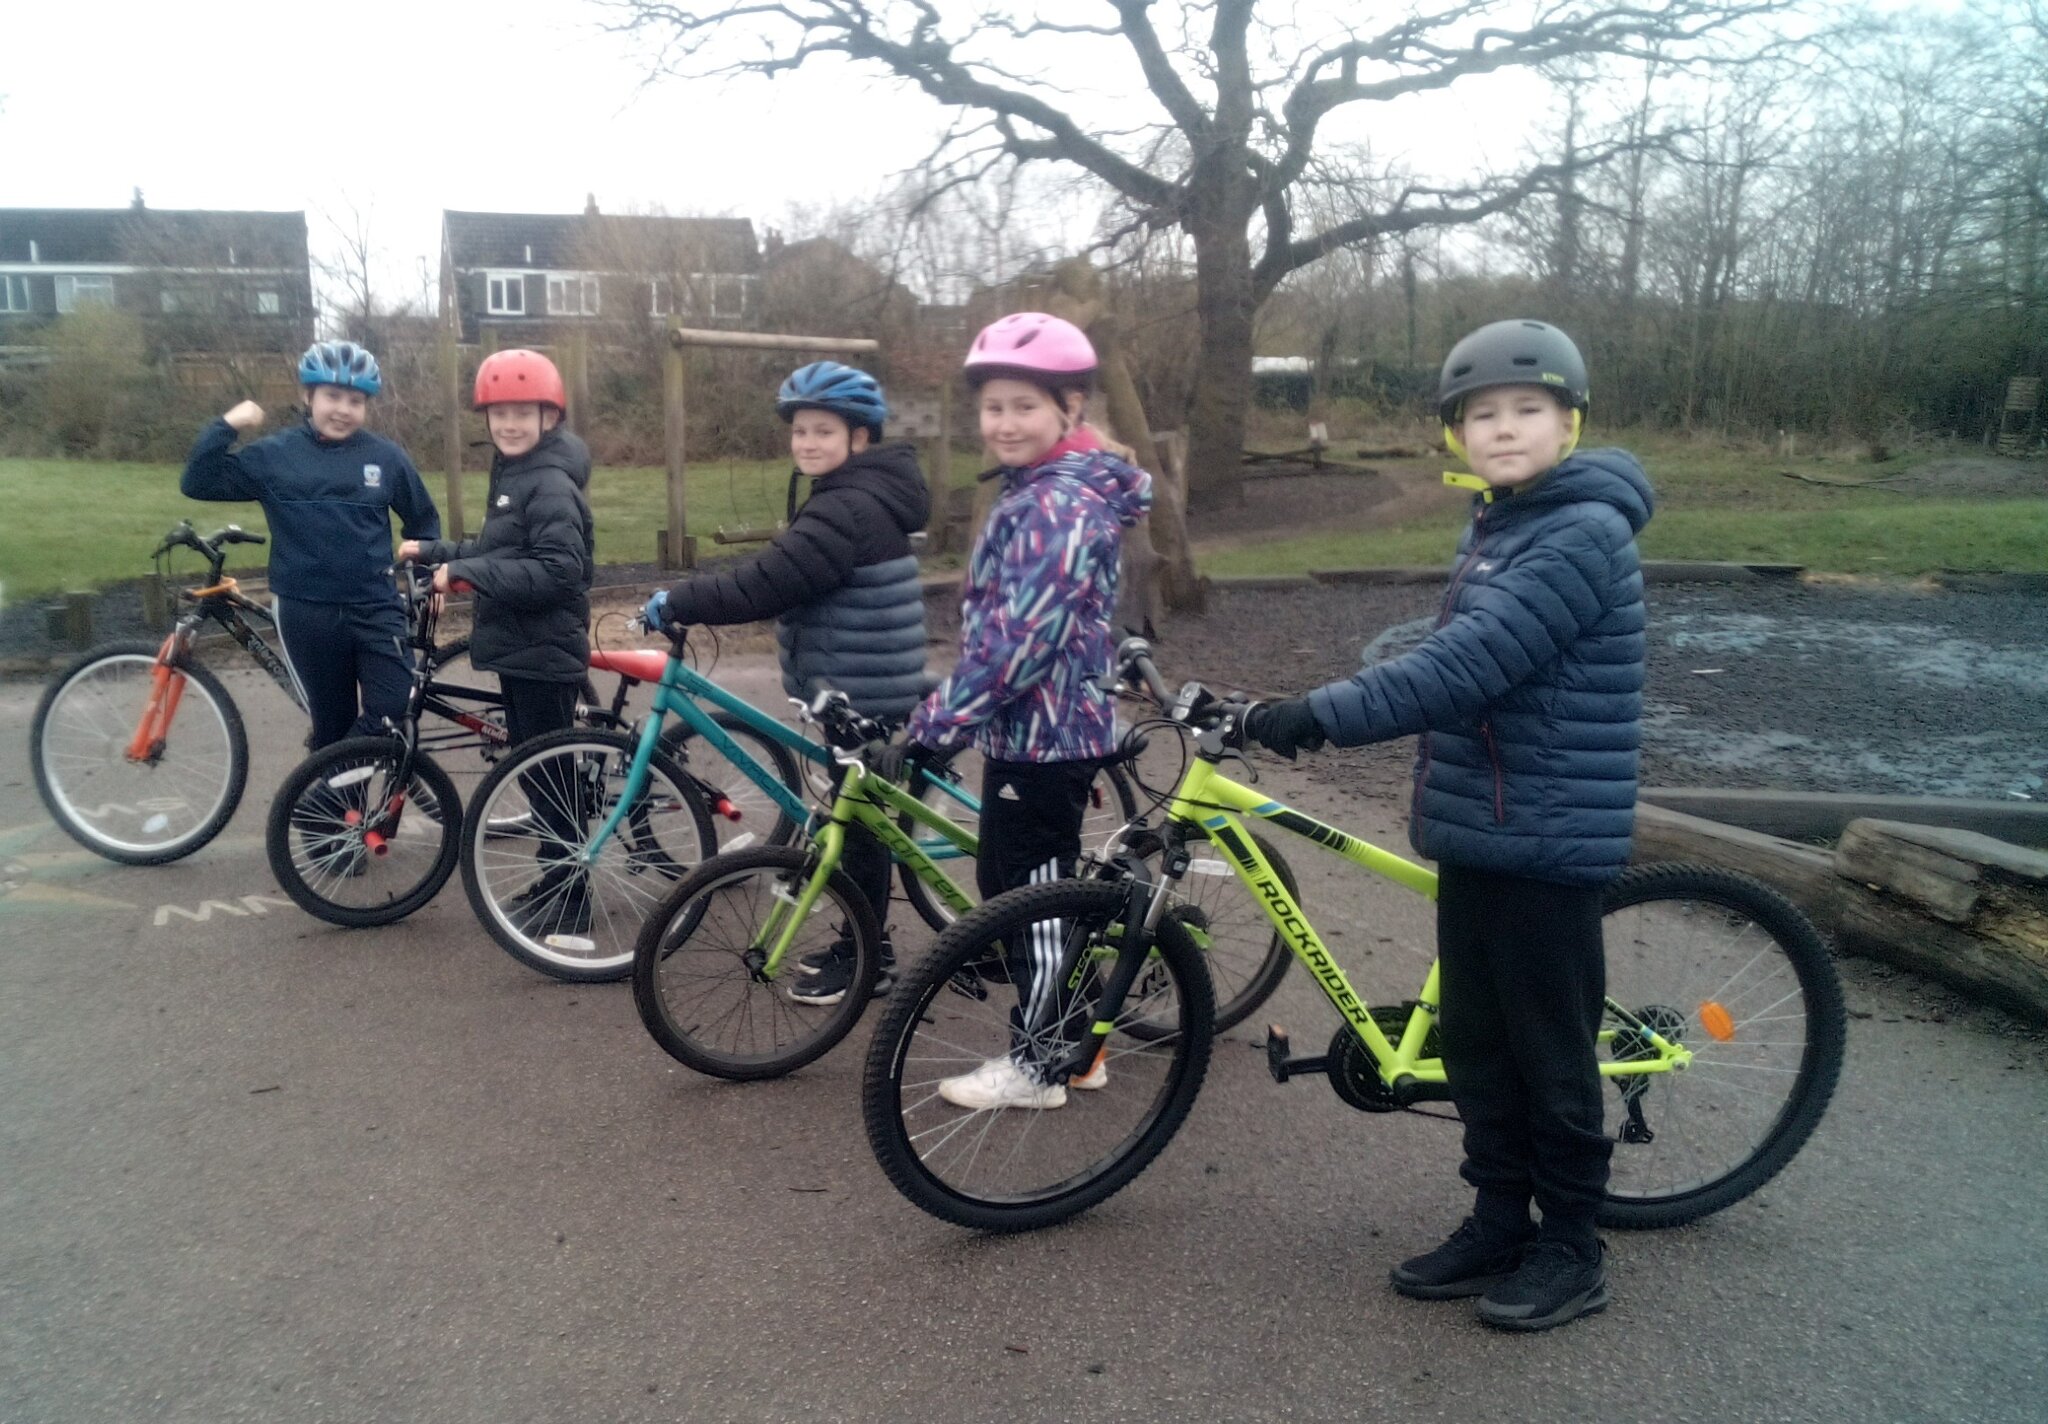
<point>1958,908</point>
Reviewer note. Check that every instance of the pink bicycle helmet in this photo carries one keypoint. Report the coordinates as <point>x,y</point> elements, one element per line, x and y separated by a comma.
<point>1031,346</point>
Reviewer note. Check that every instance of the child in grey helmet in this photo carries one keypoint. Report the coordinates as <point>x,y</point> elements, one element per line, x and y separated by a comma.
<point>1528,697</point>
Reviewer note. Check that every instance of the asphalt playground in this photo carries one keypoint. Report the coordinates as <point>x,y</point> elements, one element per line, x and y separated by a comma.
<point>256,1168</point>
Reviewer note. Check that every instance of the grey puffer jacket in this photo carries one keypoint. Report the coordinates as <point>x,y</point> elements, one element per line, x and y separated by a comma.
<point>532,563</point>
<point>842,582</point>
<point>1529,694</point>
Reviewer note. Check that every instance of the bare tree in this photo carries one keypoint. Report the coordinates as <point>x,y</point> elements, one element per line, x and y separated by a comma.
<point>1237,106</point>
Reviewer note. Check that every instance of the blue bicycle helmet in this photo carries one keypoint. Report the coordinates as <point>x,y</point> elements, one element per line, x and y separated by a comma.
<point>852,395</point>
<point>340,363</point>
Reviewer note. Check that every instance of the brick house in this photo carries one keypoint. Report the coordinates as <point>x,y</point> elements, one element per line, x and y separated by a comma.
<point>201,282</point>
<point>530,278</point>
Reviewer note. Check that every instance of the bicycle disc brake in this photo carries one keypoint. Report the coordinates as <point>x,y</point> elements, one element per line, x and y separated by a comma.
<point>1633,1045</point>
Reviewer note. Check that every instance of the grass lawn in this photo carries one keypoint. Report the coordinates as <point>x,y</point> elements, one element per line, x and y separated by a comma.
<point>72,524</point>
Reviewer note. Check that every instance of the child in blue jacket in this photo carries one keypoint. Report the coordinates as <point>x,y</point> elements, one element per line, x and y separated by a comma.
<point>1528,698</point>
<point>328,489</point>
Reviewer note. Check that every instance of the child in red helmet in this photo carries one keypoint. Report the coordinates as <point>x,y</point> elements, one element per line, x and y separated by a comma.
<point>531,565</point>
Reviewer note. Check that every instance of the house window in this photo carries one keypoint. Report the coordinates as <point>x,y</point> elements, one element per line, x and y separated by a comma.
<point>658,301</point>
<point>14,294</point>
<point>186,298</point>
<point>729,296</point>
<point>505,294</point>
<point>266,303</point>
<point>572,296</point>
<point>75,292</point>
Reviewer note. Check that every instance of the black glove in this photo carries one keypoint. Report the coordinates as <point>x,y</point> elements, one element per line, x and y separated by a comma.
<point>894,760</point>
<point>1285,727</point>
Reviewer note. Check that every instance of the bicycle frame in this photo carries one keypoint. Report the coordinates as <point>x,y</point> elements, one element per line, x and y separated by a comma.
<point>864,800</point>
<point>222,603</point>
<point>1208,804</point>
<point>681,693</point>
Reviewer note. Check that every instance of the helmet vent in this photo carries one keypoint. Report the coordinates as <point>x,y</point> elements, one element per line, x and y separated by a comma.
<point>1028,337</point>
<point>1525,360</point>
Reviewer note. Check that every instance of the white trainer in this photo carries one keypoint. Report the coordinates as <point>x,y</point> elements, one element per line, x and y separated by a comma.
<point>1000,1083</point>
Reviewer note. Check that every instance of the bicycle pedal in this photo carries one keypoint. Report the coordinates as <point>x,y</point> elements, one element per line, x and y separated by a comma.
<point>1283,1067</point>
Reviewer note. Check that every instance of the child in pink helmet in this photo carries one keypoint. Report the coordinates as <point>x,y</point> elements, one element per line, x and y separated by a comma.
<point>1036,646</point>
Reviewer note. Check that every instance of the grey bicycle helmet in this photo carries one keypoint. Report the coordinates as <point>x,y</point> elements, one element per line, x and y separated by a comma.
<point>1512,353</point>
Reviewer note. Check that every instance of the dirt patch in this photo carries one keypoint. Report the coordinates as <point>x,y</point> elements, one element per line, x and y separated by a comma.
<point>1977,477</point>
<point>1278,506</point>
<point>1791,686</point>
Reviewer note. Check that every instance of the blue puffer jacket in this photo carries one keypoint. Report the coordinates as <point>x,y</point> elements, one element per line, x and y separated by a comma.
<point>1529,694</point>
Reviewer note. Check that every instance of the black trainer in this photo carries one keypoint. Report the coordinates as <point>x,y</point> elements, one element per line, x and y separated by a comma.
<point>558,903</point>
<point>1473,1261</point>
<point>829,983</point>
<point>1557,1283</point>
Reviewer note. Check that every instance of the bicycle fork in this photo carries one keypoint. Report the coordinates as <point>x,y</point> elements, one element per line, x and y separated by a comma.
<point>1137,927</point>
<point>166,687</point>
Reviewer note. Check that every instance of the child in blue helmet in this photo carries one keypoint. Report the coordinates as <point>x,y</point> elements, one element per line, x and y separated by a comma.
<point>328,489</point>
<point>1529,698</point>
<point>842,584</point>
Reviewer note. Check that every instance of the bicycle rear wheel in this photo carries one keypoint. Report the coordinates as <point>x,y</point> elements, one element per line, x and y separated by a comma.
<point>761,821</point>
<point>1020,1168</point>
<point>139,812</point>
<point>523,839</point>
<point>317,835</point>
<point>1733,971</point>
<point>702,987</point>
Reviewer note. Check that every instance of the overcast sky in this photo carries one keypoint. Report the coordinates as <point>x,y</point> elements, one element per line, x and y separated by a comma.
<point>404,107</point>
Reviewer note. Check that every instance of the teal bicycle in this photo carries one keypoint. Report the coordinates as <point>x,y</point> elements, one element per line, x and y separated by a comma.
<point>575,837</point>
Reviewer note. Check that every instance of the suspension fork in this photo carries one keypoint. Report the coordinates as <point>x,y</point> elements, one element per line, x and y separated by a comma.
<point>1137,927</point>
<point>166,688</point>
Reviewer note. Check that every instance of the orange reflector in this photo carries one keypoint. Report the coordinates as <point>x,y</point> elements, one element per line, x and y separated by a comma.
<point>1717,1021</point>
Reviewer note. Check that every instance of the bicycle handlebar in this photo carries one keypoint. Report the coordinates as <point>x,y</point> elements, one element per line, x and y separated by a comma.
<point>211,547</point>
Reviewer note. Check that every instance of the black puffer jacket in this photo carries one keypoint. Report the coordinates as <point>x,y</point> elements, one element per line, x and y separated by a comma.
<point>843,583</point>
<point>531,563</point>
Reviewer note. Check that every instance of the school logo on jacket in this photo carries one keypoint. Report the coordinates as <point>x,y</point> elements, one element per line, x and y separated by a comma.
<point>504,501</point>
<point>373,477</point>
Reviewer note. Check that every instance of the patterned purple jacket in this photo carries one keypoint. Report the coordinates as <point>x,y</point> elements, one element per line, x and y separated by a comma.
<point>1036,634</point>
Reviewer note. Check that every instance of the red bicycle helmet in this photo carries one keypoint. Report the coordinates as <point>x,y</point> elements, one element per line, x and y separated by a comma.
<point>508,376</point>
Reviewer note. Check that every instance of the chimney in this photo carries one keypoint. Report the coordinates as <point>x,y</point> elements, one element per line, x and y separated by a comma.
<point>590,205</point>
<point>135,203</point>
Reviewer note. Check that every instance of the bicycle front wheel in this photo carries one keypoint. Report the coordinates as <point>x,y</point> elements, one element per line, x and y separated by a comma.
<point>523,849</point>
<point>701,978</point>
<point>1731,970</point>
<point>761,821</point>
<point>1017,1168</point>
<point>148,810</point>
<point>354,845</point>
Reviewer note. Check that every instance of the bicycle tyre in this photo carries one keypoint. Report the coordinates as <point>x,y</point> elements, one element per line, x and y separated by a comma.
<point>721,775</point>
<point>1111,805</point>
<point>923,1038</point>
<point>208,767</point>
<point>1246,956</point>
<point>690,936</point>
<point>1680,948</point>
<point>521,899</point>
<point>318,857</point>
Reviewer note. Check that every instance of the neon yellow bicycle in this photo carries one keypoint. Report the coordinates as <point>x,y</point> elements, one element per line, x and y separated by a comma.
<point>1722,1039</point>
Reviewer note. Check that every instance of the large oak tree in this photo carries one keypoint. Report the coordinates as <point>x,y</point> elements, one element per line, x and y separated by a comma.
<point>1209,117</point>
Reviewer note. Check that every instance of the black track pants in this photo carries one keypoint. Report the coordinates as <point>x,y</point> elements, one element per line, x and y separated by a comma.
<point>1522,984</point>
<point>865,861</point>
<point>534,708</point>
<point>350,662</point>
<point>1031,814</point>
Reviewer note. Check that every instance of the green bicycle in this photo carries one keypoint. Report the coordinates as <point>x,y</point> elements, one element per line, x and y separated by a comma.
<point>1722,1039</point>
<point>714,962</point>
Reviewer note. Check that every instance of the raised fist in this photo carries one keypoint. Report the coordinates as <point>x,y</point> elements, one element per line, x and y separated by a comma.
<point>246,416</point>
